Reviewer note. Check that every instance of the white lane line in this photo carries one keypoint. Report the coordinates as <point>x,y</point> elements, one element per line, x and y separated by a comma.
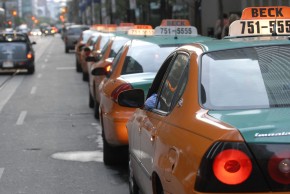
<point>45,60</point>
<point>33,90</point>
<point>65,68</point>
<point>39,75</point>
<point>8,90</point>
<point>1,172</point>
<point>43,66</point>
<point>21,118</point>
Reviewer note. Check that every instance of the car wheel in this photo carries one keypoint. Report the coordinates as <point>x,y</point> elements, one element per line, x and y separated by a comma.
<point>66,50</point>
<point>85,76</point>
<point>109,154</point>
<point>133,187</point>
<point>159,188</point>
<point>96,110</point>
<point>91,101</point>
<point>30,70</point>
<point>78,66</point>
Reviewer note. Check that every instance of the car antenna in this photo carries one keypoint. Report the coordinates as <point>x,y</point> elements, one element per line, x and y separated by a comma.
<point>274,33</point>
<point>175,37</point>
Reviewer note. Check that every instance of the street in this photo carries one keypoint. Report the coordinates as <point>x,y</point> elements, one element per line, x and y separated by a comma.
<point>50,142</point>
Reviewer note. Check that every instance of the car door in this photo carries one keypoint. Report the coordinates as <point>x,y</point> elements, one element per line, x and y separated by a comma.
<point>169,90</point>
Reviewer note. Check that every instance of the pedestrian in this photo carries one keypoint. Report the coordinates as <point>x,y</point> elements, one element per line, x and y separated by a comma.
<point>219,26</point>
<point>232,18</point>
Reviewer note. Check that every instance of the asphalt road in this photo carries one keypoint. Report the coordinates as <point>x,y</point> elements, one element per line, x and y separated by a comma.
<point>50,142</point>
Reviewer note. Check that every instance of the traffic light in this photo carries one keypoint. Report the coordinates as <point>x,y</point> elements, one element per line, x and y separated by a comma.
<point>14,13</point>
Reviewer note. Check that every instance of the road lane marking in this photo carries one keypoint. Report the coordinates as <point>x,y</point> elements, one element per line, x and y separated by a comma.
<point>65,68</point>
<point>33,90</point>
<point>21,117</point>
<point>45,60</point>
<point>43,66</point>
<point>9,90</point>
<point>39,75</point>
<point>1,172</point>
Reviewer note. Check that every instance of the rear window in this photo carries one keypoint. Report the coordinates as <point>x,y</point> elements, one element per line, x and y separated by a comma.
<point>12,50</point>
<point>145,57</point>
<point>247,78</point>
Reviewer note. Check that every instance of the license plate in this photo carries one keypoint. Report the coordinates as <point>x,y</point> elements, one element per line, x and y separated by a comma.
<point>7,64</point>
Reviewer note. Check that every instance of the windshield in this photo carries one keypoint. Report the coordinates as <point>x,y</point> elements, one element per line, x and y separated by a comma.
<point>116,46</point>
<point>146,57</point>
<point>247,78</point>
<point>12,51</point>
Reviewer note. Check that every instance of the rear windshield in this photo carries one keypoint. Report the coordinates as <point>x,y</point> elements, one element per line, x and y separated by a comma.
<point>12,50</point>
<point>247,78</point>
<point>145,57</point>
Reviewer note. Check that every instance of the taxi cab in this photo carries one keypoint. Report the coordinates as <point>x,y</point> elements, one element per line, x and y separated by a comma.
<point>109,50</point>
<point>134,66</point>
<point>84,37</point>
<point>93,52</point>
<point>106,49</point>
<point>220,119</point>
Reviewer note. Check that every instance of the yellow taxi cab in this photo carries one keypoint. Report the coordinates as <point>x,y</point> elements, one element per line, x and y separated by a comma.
<point>216,117</point>
<point>101,38</point>
<point>109,51</point>
<point>134,66</point>
<point>85,35</point>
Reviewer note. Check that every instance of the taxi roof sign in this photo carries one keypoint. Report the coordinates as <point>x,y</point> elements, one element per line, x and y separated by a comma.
<point>175,22</point>
<point>176,31</point>
<point>271,12</point>
<point>141,30</point>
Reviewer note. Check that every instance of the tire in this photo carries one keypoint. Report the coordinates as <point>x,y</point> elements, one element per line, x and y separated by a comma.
<point>113,156</point>
<point>109,154</point>
<point>78,66</point>
<point>133,187</point>
<point>30,70</point>
<point>91,101</point>
<point>85,77</point>
<point>96,110</point>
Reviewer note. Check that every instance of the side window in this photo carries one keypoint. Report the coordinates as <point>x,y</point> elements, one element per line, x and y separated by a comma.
<point>116,60</point>
<point>173,83</point>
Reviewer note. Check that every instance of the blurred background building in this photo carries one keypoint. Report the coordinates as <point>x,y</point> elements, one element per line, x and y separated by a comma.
<point>201,13</point>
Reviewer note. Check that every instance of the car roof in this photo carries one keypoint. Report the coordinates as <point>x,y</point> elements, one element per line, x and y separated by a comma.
<point>242,42</point>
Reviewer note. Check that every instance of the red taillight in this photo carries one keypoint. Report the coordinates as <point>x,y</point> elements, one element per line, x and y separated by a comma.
<point>279,167</point>
<point>232,167</point>
<point>87,53</point>
<point>119,89</point>
<point>29,56</point>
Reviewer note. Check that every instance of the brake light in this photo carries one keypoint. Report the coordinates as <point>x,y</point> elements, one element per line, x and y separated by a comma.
<point>232,166</point>
<point>279,167</point>
<point>29,55</point>
<point>108,68</point>
<point>87,53</point>
<point>119,89</point>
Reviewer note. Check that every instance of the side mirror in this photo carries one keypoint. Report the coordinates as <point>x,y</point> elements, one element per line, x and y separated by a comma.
<point>131,98</point>
<point>91,59</point>
<point>99,71</point>
<point>33,42</point>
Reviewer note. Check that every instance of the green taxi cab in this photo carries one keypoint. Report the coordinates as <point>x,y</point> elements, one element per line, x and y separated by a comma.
<point>216,117</point>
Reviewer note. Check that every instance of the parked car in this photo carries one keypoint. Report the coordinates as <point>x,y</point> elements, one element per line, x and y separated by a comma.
<point>72,35</point>
<point>220,122</point>
<point>134,66</point>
